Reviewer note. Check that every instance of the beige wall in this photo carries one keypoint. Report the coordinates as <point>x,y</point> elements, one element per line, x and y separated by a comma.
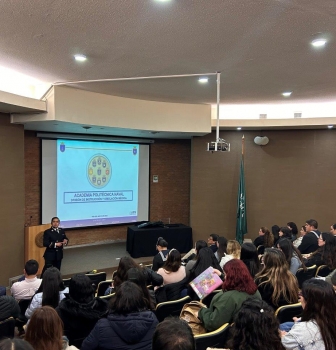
<point>12,199</point>
<point>290,179</point>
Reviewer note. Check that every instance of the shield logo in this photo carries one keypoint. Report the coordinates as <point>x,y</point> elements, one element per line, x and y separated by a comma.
<point>135,150</point>
<point>62,147</point>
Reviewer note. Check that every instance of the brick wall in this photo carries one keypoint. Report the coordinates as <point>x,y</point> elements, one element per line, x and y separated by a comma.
<point>169,198</point>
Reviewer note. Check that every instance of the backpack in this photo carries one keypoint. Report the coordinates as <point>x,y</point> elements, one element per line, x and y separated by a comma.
<point>189,314</point>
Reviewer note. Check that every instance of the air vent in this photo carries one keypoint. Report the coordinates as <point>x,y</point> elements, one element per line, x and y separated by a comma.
<point>262,116</point>
<point>297,115</point>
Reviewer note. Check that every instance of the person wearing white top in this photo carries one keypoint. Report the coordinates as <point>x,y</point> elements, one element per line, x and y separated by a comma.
<point>233,252</point>
<point>27,288</point>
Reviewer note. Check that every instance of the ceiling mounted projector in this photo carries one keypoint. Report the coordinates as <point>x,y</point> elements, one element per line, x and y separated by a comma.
<point>218,146</point>
<point>261,140</point>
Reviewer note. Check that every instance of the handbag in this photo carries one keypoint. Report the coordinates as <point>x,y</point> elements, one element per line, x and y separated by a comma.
<point>189,314</point>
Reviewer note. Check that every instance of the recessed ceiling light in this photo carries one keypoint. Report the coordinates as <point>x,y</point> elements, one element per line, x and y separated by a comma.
<point>203,80</point>
<point>80,58</point>
<point>319,42</point>
<point>239,128</point>
<point>287,93</point>
<point>330,126</point>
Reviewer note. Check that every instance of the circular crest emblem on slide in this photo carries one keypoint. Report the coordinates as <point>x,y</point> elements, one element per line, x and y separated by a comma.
<point>99,171</point>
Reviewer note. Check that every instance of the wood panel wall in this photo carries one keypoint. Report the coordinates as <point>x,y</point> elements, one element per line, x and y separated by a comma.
<point>290,179</point>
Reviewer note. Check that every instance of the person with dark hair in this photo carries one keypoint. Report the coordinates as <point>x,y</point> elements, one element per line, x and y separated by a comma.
<point>14,344</point>
<point>27,288</point>
<point>173,334</point>
<point>265,238</point>
<point>80,310</point>
<point>54,239</point>
<point>284,232</point>
<point>8,307</point>
<point>205,259</point>
<point>333,229</point>
<point>222,245</point>
<point>276,284</point>
<point>45,331</point>
<point>292,226</point>
<point>129,324</point>
<point>172,271</point>
<point>292,254</point>
<point>138,276</point>
<point>161,257</point>
<point>238,286</point>
<point>326,252</point>
<point>298,241</point>
<point>249,256</point>
<point>50,293</point>
<point>212,242</point>
<point>309,242</point>
<point>275,232</point>
<point>255,327</point>
<point>198,246</point>
<point>126,263</point>
<point>316,330</point>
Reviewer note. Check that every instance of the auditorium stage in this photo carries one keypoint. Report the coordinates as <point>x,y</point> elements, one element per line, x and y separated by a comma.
<point>101,257</point>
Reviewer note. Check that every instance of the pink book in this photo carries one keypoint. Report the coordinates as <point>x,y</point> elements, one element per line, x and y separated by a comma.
<point>206,282</point>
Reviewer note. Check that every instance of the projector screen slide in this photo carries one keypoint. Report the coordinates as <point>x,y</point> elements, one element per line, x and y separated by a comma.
<point>97,183</point>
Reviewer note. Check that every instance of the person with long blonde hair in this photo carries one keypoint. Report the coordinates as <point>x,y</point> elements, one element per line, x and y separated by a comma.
<point>276,284</point>
<point>45,331</point>
<point>233,252</point>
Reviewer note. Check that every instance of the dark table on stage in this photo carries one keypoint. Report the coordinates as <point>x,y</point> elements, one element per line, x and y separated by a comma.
<point>142,241</point>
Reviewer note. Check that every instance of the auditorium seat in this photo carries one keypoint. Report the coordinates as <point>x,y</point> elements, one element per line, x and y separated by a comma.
<point>170,308</point>
<point>287,312</point>
<point>303,275</point>
<point>7,327</point>
<point>102,286</point>
<point>215,339</point>
<point>323,271</point>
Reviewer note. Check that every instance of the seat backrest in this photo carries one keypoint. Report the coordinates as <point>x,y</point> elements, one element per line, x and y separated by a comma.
<point>215,339</point>
<point>287,312</point>
<point>7,327</point>
<point>323,271</point>
<point>102,286</point>
<point>302,275</point>
<point>96,278</point>
<point>170,308</point>
<point>170,291</point>
<point>207,300</point>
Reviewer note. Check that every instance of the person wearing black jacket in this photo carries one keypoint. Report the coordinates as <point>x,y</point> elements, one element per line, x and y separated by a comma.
<point>54,239</point>
<point>309,242</point>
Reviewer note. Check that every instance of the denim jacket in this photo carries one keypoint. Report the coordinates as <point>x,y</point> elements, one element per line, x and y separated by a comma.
<point>304,336</point>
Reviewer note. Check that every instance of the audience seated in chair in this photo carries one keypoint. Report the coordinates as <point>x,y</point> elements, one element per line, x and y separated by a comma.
<point>298,240</point>
<point>255,327</point>
<point>276,284</point>
<point>161,257</point>
<point>292,255</point>
<point>326,252</point>
<point>222,247</point>
<point>316,330</point>
<point>50,293</point>
<point>129,325</point>
<point>80,310</point>
<point>45,330</point>
<point>237,287</point>
<point>172,270</point>
<point>249,256</point>
<point>173,334</point>
<point>120,275</point>
<point>233,252</point>
<point>198,246</point>
<point>27,288</point>
<point>212,242</point>
<point>205,258</point>
<point>309,241</point>
<point>265,238</point>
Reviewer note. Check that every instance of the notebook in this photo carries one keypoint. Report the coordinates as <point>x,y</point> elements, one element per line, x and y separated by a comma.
<point>206,282</point>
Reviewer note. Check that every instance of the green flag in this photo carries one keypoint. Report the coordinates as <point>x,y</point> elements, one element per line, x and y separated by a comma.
<point>241,225</point>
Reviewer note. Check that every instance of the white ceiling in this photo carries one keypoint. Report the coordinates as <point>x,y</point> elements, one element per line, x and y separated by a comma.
<point>262,47</point>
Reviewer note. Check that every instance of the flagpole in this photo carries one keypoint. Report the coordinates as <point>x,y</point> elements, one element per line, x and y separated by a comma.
<point>243,145</point>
